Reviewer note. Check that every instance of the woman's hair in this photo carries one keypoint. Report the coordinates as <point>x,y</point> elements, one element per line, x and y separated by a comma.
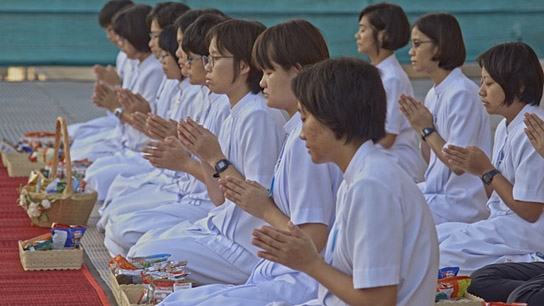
<point>168,42</point>
<point>130,25</point>
<point>237,37</point>
<point>346,95</point>
<point>109,10</point>
<point>185,20</point>
<point>166,13</point>
<point>445,32</point>
<point>516,68</point>
<point>290,43</point>
<point>391,19</point>
<point>194,37</point>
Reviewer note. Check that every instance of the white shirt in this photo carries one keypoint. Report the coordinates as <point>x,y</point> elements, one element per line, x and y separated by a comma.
<point>147,79</point>
<point>405,151</point>
<point>167,96</point>
<point>461,120</point>
<point>383,233</point>
<point>519,163</point>
<point>306,193</point>
<point>251,139</point>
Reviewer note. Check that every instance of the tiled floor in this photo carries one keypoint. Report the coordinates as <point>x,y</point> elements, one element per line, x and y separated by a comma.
<point>34,106</point>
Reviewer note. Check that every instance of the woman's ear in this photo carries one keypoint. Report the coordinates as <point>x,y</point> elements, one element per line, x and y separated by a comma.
<point>244,67</point>
<point>382,38</point>
<point>298,67</point>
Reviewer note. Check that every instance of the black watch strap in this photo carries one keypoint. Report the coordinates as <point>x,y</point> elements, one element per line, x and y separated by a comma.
<point>426,132</point>
<point>488,176</point>
<point>221,166</point>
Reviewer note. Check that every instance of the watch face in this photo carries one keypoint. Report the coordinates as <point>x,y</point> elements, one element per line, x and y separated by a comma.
<point>221,165</point>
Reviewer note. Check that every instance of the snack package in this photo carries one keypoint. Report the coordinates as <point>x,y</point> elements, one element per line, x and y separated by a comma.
<point>72,235</point>
<point>148,261</point>
<point>453,287</point>
<point>42,242</point>
<point>448,272</point>
<point>122,263</point>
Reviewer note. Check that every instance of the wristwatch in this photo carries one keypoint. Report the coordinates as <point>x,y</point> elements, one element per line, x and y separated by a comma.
<point>221,166</point>
<point>426,132</point>
<point>118,112</point>
<point>488,176</point>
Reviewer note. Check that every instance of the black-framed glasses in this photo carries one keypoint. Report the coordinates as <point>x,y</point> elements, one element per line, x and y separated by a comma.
<point>210,59</point>
<point>120,39</point>
<point>163,55</point>
<point>190,60</point>
<point>415,44</point>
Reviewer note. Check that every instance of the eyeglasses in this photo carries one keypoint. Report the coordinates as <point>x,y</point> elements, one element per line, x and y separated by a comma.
<point>415,44</point>
<point>190,60</point>
<point>163,55</point>
<point>210,60</point>
<point>120,40</point>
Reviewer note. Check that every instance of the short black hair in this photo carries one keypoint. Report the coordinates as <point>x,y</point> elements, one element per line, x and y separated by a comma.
<point>346,95</point>
<point>168,42</point>
<point>516,68</point>
<point>109,10</point>
<point>194,37</point>
<point>290,43</point>
<point>445,32</point>
<point>130,25</point>
<point>237,37</point>
<point>185,20</point>
<point>166,13</point>
<point>390,18</point>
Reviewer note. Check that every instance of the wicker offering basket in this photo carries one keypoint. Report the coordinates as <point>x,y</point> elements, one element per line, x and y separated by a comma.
<point>19,165</point>
<point>67,207</point>
<point>69,259</point>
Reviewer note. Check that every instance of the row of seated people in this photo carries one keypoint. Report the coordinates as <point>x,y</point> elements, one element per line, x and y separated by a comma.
<point>271,168</point>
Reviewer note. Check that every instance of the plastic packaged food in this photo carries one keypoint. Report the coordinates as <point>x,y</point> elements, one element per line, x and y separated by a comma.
<point>448,272</point>
<point>73,235</point>
<point>453,287</point>
<point>42,242</point>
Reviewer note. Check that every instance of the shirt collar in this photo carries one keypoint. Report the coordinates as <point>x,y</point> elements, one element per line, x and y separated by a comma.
<point>358,160</point>
<point>452,76</point>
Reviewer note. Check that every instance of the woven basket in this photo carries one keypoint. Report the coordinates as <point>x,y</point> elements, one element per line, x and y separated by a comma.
<point>126,295</point>
<point>18,164</point>
<point>130,295</point>
<point>70,259</point>
<point>66,207</point>
<point>468,300</point>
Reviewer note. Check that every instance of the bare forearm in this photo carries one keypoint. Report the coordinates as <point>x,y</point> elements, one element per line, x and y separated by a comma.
<point>530,211</point>
<point>425,152</point>
<point>215,194</point>
<point>341,285</point>
<point>436,143</point>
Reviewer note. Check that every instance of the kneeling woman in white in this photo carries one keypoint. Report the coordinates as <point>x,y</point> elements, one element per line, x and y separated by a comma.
<point>383,247</point>
<point>133,39</point>
<point>218,247</point>
<point>103,171</point>
<point>452,114</point>
<point>302,191</point>
<point>512,82</point>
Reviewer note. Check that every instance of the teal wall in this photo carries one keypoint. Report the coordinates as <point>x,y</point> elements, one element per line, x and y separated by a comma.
<point>66,32</point>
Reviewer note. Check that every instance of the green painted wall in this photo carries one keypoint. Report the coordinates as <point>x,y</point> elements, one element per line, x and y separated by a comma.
<point>66,32</point>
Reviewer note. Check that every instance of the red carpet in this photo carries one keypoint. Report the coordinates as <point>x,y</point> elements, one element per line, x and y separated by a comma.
<point>19,287</point>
